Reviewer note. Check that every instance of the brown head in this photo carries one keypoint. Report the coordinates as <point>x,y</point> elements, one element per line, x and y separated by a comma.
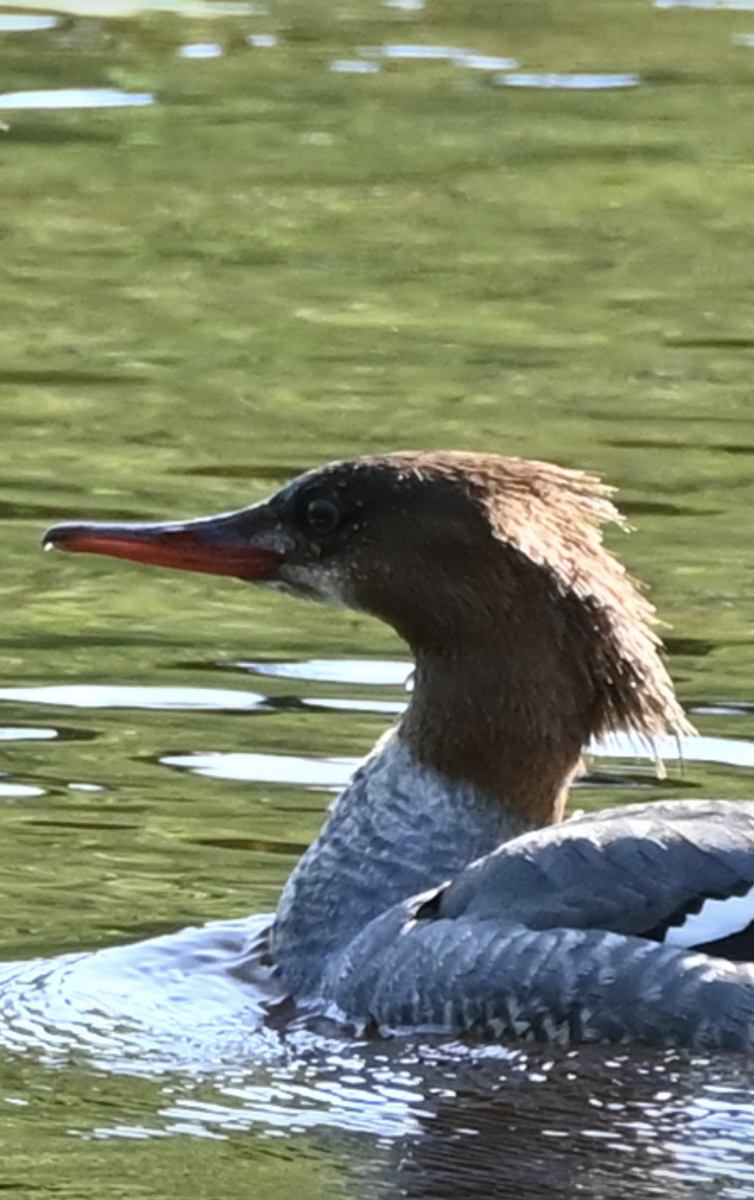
<point>529,636</point>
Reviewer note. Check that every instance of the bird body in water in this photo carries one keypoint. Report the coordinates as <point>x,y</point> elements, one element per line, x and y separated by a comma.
<point>445,891</point>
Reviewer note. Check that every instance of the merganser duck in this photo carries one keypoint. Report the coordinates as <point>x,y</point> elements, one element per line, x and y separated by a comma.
<point>445,892</point>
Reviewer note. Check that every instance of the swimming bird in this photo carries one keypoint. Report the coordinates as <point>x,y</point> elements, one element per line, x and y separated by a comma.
<point>445,891</point>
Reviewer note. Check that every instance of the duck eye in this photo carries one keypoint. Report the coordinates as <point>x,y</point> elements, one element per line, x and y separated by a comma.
<point>322,516</point>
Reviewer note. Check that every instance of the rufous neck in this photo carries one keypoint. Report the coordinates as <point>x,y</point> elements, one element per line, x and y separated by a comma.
<point>510,721</point>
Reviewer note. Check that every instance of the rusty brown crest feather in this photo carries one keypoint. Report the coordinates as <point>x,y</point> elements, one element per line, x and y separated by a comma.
<point>554,516</point>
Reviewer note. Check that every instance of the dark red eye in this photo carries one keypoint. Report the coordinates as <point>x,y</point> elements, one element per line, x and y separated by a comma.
<point>322,516</point>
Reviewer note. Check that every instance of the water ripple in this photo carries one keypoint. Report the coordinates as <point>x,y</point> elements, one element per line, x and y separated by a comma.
<point>95,695</point>
<point>74,98</point>
<point>268,768</point>
<point>25,22</point>
<point>330,670</point>
<point>581,81</point>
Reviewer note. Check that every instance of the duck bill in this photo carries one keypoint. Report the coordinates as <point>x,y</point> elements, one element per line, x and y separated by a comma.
<point>225,545</point>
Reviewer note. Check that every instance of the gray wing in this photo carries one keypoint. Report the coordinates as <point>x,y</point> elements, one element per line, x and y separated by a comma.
<point>500,980</point>
<point>558,937</point>
<point>634,870</point>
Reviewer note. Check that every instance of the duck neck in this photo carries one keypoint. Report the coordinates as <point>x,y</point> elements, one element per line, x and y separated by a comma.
<point>485,751</point>
<point>511,720</point>
<point>399,828</point>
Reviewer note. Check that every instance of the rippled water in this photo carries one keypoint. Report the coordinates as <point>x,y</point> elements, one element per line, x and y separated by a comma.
<point>238,241</point>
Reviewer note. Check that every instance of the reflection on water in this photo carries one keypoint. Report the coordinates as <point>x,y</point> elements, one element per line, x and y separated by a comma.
<point>25,22</point>
<point>373,672</point>
<point>454,54</point>
<point>578,82</point>
<point>18,790</point>
<point>201,50</point>
<point>99,9</point>
<point>355,66</point>
<point>268,768</point>
<point>83,695</point>
<point>75,98</point>
<point>15,734</point>
<point>721,4</point>
<point>470,59</point>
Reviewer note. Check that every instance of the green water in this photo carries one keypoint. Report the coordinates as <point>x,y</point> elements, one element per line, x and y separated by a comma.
<point>274,264</point>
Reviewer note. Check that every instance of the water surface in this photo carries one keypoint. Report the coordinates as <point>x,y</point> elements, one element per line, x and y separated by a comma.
<point>334,230</point>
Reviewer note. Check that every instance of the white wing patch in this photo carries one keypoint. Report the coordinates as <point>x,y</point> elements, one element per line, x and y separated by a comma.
<point>715,919</point>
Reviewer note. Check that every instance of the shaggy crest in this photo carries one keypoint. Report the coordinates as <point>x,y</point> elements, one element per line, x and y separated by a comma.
<point>554,516</point>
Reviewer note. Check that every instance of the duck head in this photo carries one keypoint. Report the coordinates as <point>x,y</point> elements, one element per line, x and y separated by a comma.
<point>529,636</point>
